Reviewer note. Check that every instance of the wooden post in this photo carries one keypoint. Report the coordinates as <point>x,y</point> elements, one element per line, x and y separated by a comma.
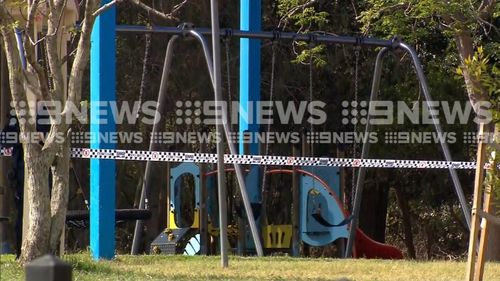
<point>476,205</point>
<point>488,208</point>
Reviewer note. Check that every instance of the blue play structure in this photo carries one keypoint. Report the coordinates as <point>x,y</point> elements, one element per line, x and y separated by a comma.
<point>321,212</point>
<point>320,207</point>
<point>322,218</point>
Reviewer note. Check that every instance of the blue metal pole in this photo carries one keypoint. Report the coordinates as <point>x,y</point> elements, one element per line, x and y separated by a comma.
<point>102,172</point>
<point>250,20</point>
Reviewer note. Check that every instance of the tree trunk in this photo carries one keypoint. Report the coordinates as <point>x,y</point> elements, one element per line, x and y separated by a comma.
<point>36,240</point>
<point>407,229</point>
<point>60,195</point>
<point>374,206</point>
<point>477,93</point>
<point>5,189</point>
<point>475,90</point>
<point>155,225</point>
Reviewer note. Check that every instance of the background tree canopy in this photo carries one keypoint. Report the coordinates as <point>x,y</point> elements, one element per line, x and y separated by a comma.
<point>457,42</point>
<point>420,208</point>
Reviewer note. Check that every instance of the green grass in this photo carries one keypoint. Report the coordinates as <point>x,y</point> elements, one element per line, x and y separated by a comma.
<point>269,268</point>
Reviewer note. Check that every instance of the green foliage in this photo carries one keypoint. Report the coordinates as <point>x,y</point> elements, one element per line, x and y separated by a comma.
<point>301,15</point>
<point>304,17</point>
<point>427,24</point>
<point>317,53</point>
<point>418,19</point>
<point>12,25</point>
<point>18,4</point>
<point>481,68</point>
<point>492,179</point>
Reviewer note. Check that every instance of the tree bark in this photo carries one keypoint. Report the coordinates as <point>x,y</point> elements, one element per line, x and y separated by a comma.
<point>374,206</point>
<point>60,195</point>
<point>407,229</point>
<point>46,215</point>
<point>475,90</point>
<point>477,93</point>
<point>36,241</point>
<point>5,190</point>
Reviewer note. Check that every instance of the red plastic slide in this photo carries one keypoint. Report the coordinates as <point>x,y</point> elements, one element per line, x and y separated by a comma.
<point>365,247</point>
<point>368,248</point>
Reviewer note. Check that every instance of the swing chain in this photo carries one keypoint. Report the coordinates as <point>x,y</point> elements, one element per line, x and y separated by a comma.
<point>312,45</point>
<point>271,98</point>
<point>144,76</point>
<point>357,50</point>
<point>227,40</point>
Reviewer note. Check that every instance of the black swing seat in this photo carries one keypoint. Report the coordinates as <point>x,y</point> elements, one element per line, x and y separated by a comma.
<point>80,218</point>
<point>321,220</point>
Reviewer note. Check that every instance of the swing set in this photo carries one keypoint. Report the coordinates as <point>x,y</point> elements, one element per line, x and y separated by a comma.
<point>324,222</point>
<point>188,30</point>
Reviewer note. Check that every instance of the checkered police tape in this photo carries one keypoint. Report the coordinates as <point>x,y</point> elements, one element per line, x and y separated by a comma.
<point>164,156</point>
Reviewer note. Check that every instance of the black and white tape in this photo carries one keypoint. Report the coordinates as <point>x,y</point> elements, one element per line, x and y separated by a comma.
<point>139,155</point>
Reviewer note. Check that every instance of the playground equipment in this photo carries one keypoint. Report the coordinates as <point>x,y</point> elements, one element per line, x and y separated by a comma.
<point>322,217</point>
<point>103,72</point>
<point>253,186</point>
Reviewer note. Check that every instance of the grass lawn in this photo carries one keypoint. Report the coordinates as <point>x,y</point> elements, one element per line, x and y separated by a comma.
<point>269,268</point>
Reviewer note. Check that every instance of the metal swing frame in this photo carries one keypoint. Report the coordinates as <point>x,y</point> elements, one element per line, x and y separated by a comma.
<point>199,33</point>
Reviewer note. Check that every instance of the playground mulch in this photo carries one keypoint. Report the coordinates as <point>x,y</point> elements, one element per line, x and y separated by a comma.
<point>269,268</point>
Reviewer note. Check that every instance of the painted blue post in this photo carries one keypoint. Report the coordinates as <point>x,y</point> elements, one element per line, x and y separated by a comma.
<point>250,19</point>
<point>102,172</point>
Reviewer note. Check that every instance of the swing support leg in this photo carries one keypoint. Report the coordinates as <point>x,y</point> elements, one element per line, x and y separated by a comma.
<point>364,154</point>
<point>222,129</point>
<point>153,145</point>
<point>366,145</point>
<point>232,149</point>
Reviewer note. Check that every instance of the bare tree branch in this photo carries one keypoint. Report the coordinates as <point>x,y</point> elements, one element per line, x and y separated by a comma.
<point>106,7</point>
<point>14,65</point>
<point>284,18</point>
<point>178,7</point>
<point>81,56</point>
<point>486,9</point>
<point>139,3</point>
<point>490,25</point>
<point>52,42</point>
<point>29,53</point>
<point>155,11</point>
